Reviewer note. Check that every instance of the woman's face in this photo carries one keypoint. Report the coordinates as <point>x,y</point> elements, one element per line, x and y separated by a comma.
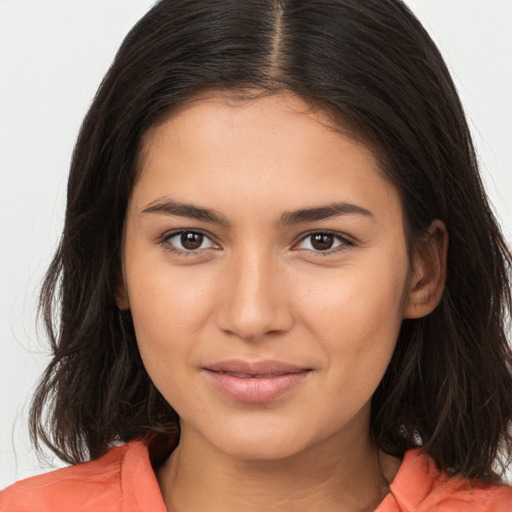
<point>267,273</point>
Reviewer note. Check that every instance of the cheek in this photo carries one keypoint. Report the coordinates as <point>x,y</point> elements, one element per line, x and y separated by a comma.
<point>357,312</point>
<point>165,298</point>
<point>170,308</point>
<point>358,297</point>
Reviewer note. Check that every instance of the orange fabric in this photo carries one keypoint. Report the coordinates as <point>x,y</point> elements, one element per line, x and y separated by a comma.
<point>123,481</point>
<point>420,487</point>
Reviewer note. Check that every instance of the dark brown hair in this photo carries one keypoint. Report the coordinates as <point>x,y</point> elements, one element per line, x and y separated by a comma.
<point>371,65</point>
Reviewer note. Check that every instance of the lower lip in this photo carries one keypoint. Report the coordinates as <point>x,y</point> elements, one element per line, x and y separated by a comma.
<point>255,390</point>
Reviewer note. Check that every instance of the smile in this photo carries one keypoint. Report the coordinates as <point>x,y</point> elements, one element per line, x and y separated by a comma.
<point>254,382</point>
<point>253,375</point>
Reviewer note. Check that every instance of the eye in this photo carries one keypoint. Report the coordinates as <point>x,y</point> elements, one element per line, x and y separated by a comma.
<point>188,241</point>
<point>323,241</point>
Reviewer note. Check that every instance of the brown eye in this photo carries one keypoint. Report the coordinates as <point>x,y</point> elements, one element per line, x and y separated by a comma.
<point>322,241</point>
<point>183,242</point>
<point>191,241</point>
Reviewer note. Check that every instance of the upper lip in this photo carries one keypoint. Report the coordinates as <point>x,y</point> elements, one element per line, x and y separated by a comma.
<point>265,367</point>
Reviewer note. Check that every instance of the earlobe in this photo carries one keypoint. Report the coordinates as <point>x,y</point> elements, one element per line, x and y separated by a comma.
<point>429,272</point>
<point>122,299</point>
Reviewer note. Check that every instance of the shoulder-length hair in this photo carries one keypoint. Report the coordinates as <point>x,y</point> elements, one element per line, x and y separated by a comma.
<point>371,65</point>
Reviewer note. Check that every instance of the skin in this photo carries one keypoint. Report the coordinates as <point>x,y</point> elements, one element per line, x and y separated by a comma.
<point>257,288</point>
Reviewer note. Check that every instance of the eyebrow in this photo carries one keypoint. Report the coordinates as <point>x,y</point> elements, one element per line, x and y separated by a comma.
<point>323,212</point>
<point>170,207</point>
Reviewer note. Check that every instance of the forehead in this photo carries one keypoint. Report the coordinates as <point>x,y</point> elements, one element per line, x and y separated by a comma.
<point>252,110</point>
<point>274,148</point>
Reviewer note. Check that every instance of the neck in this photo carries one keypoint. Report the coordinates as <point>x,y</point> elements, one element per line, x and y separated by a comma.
<point>334,475</point>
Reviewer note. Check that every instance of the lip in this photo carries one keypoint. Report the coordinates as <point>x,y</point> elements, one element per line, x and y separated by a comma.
<point>255,381</point>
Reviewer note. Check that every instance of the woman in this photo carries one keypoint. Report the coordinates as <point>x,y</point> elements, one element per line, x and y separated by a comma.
<point>272,294</point>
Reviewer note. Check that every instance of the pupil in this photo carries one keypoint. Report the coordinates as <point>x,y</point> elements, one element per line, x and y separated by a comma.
<point>191,241</point>
<point>322,242</point>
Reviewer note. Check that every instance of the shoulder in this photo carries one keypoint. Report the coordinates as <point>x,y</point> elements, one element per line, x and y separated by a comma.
<point>57,490</point>
<point>419,485</point>
<point>107,484</point>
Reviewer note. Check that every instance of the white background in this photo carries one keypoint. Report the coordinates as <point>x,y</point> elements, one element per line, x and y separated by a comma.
<point>53,55</point>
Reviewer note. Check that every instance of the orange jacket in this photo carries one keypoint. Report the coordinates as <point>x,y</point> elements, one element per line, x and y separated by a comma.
<point>123,480</point>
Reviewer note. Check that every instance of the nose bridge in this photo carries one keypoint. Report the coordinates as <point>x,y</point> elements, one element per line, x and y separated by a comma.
<point>254,302</point>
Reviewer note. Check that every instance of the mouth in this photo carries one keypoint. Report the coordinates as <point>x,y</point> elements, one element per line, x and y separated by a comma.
<point>255,382</point>
<point>253,375</point>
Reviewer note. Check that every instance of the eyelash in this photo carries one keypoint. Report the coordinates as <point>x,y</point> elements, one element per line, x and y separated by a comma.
<point>344,242</point>
<point>165,241</point>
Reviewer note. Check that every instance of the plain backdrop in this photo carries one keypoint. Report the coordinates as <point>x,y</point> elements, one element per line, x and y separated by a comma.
<point>53,55</point>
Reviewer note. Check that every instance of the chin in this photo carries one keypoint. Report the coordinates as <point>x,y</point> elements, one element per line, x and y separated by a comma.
<point>265,438</point>
<point>263,447</point>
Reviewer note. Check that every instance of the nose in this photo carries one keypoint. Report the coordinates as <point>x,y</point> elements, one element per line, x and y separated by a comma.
<point>255,301</point>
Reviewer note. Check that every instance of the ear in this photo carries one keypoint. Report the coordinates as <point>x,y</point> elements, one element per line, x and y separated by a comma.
<point>122,300</point>
<point>428,272</point>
